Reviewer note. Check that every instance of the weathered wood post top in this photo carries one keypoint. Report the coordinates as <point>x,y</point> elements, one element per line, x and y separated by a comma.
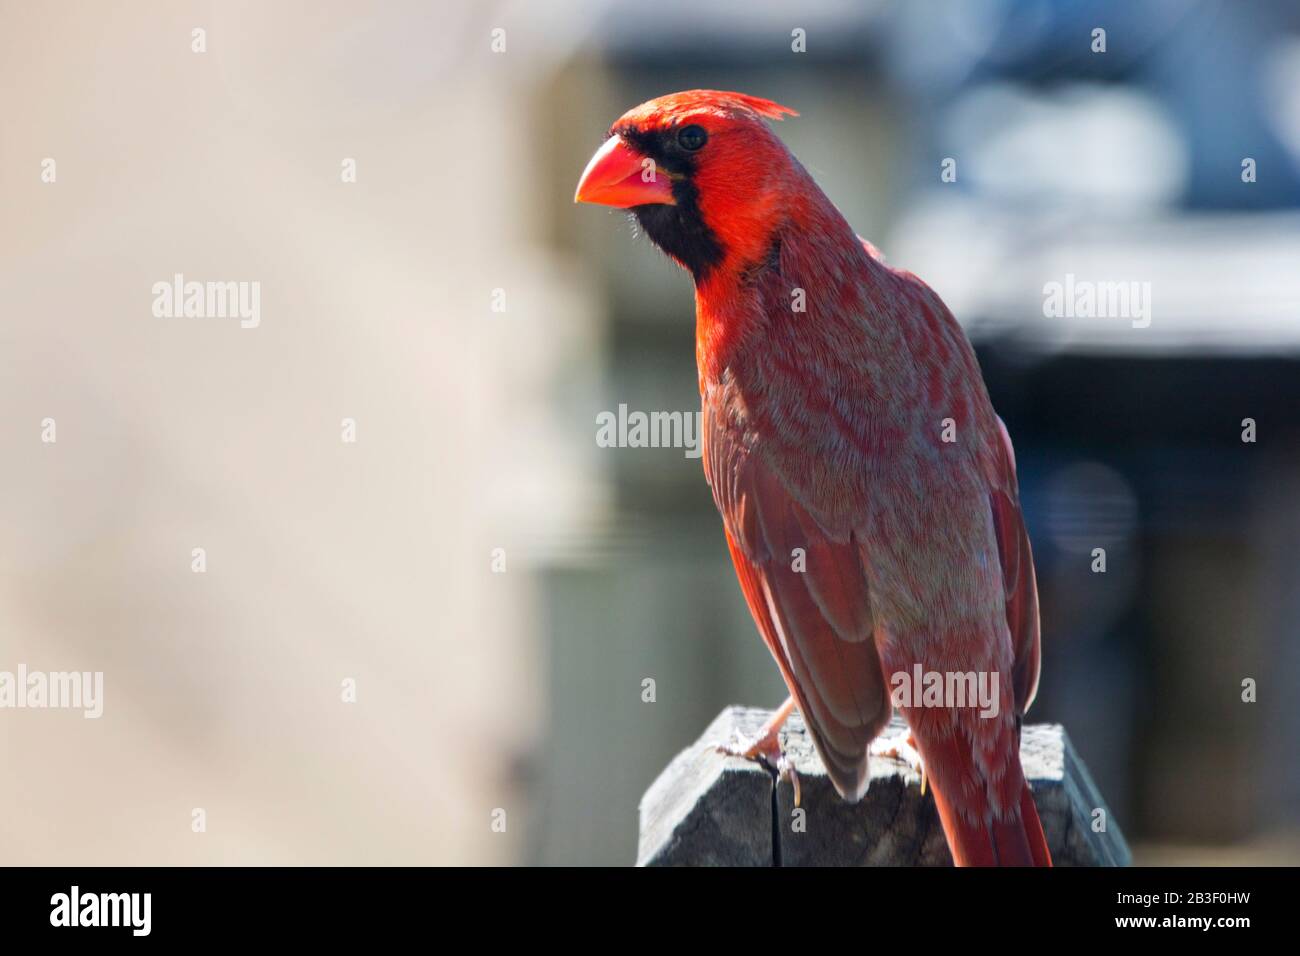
<point>710,809</point>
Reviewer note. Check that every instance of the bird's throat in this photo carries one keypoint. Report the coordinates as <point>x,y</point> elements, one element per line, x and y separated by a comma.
<point>681,232</point>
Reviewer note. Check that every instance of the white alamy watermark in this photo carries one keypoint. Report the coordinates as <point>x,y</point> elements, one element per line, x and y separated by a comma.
<point>179,299</point>
<point>922,688</point>
<point>75,908</point>
<point>637,429</point>
<point>53,690</point>
<point>1086,299</point>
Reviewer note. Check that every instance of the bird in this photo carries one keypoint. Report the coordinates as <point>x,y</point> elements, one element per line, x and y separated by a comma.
<point>867,488</point>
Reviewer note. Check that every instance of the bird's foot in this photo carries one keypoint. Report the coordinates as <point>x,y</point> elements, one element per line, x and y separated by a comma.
<point>903,749</point>
<point>767,753</point>
<point>765,750</point>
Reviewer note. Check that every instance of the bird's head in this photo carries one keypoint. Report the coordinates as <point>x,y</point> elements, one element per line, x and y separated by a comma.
<point>702,172</point>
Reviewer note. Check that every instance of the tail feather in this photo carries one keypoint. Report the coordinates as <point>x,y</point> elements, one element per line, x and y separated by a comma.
<point>1034,829</point>
<point>989,819</point>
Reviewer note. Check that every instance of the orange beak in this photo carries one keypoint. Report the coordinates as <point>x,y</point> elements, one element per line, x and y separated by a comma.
<point>620,176</point>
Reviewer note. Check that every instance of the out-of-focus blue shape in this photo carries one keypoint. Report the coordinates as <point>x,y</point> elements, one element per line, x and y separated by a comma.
<point>1214,68</point>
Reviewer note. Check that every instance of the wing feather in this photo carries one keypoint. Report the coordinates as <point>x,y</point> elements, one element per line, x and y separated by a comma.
<point>1018,579</point>
<point>814,610</point>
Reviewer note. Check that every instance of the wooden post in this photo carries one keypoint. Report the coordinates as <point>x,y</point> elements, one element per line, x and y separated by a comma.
<point>707,809</point>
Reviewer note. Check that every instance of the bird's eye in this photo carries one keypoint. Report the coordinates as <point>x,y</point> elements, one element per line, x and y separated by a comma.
<point>692,137</point>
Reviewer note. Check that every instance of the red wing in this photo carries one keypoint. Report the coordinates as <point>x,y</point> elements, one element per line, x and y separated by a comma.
<point>1018,578</point>
<point>815,621</point>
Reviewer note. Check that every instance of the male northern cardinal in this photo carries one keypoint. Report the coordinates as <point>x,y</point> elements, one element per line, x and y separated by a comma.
<point>867,488</point>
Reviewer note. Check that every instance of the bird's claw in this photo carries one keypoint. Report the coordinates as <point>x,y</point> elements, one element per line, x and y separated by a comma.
<point>766,752</point>
<point>903,749</point>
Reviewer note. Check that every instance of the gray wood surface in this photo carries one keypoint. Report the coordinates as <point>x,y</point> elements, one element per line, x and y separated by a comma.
<point>708,809</point>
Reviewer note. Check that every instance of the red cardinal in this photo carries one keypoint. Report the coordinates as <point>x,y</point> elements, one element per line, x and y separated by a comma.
<point>867,487</point>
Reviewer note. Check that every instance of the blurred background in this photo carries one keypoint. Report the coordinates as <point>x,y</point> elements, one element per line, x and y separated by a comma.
<point>496,584</point>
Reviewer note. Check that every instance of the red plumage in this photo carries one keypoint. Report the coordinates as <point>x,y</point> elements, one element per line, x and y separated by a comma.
<point>824,434</point>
